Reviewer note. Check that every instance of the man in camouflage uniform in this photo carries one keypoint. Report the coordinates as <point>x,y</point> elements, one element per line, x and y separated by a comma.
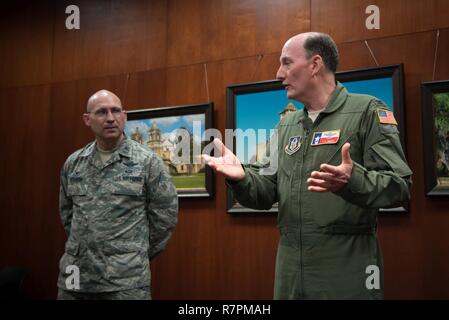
<point>340,160</point>
<point>118,207</point>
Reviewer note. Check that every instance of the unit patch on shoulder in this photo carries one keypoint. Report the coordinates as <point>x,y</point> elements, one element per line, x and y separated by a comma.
<point>386,117</point>
<point>325,137</point>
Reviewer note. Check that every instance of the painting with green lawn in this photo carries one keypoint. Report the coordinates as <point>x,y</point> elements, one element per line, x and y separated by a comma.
<point>175,134</point>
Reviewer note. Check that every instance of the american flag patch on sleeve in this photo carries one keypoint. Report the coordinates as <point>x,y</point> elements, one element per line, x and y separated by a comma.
<point>386,117</point>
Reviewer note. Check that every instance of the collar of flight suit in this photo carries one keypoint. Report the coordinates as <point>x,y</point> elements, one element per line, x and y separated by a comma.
<point>336,100</point>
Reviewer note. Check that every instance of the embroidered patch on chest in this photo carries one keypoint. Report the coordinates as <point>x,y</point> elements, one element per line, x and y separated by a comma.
<point>325,137</point>
<point>293,145</point>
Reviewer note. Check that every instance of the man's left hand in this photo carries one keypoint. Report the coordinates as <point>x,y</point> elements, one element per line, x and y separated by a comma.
<point>332,178</point>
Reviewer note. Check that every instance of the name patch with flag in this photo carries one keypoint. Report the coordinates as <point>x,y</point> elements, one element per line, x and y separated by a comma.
<point>386,117</point>
<point>325,137</point>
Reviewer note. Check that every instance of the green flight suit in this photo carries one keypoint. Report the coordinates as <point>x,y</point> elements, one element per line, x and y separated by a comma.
<point>328,244</point>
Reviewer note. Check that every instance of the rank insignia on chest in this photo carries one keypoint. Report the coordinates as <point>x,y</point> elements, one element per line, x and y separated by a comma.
<point>386,117</point>
<point>325,137</point>
<point>293,145</point>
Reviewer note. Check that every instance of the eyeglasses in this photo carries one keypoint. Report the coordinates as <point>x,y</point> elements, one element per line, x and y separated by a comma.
<point>103,112</point>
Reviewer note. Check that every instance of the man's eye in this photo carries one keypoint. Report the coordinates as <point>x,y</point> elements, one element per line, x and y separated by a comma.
<point>101,112</point>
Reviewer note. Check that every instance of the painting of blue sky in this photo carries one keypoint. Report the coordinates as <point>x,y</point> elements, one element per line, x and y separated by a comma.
<point>168,125</point>
<point>381,88</point>
<point>261,110</point>
<point>257,111</point>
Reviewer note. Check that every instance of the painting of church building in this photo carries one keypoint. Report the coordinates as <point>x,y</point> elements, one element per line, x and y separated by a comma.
<point>162,136</point>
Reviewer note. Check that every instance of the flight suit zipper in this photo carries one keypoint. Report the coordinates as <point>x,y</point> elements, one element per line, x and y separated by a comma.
<point>301,173</point>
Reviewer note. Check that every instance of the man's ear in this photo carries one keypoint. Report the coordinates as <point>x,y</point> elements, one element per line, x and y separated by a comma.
<point>86,119</point>
<point>317,64</point>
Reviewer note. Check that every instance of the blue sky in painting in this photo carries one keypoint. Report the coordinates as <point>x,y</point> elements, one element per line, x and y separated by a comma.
<point>261,110</point>
<point>168,125</point>
<point>381,88</point>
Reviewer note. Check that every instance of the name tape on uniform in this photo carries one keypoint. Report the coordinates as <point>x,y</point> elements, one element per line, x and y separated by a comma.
<point>325,137</point>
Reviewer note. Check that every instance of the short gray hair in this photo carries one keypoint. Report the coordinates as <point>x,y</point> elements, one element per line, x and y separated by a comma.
<point>322,45</point>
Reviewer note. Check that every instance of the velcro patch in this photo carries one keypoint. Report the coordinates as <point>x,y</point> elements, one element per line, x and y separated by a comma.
<point>325,137</point>
<point>386,117</point>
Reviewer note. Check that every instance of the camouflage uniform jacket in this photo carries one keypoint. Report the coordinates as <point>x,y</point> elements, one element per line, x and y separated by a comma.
<point>117,216</point>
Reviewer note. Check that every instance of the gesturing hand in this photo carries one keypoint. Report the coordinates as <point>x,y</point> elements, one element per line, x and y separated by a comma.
<point>332,178</point>
<point>226,163</point>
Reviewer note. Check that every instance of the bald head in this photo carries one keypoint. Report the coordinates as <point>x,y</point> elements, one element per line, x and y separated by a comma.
<point>317,43</point>
<point>101,97</point>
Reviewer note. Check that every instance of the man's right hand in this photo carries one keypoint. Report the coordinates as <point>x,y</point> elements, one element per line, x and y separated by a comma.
<point>226,163</point>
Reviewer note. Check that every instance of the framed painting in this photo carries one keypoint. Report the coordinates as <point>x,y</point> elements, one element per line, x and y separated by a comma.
<point>435,125</point>
<point>176,135</point>
<point>261,105</point>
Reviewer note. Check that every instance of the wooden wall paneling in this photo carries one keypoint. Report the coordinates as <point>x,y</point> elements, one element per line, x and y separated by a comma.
<point>186,85</point>
<point>354,55</point>
<point>114,37</point>
<point>417,230</point>
<point>189,262</point>
<point>436,211</point>
<point>145,90</point>
<point>279,20</point>
<point>248,242</point>
<point>68,103</point>
<point>345,20</point>
<point>204,31</point>
<point>26,210</point>
<point>442,63</point>
<point>183,32</point>
<point>26,35</point>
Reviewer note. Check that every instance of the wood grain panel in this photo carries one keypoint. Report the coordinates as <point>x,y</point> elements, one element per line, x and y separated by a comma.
<point>114,37</point>
<point>345,20</point>
<point>26,35</point>
<point>354,55</point>
<point>410,257</point>
<point>204,31</point>
<point>214,255</point>
<point>145,90</point>
<point>442,63</point>
<point>28,201</point>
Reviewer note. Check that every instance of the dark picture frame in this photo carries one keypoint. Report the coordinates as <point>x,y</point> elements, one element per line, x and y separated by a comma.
<point>435,126</point>
<point>160,125</point>
<point>384,82</point>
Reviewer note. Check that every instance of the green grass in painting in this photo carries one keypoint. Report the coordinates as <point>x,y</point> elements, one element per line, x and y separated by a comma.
<point>193,181</point>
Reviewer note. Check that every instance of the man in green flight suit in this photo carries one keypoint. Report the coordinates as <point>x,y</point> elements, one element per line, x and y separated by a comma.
<point>118,207</point>
<point>339,160</point>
